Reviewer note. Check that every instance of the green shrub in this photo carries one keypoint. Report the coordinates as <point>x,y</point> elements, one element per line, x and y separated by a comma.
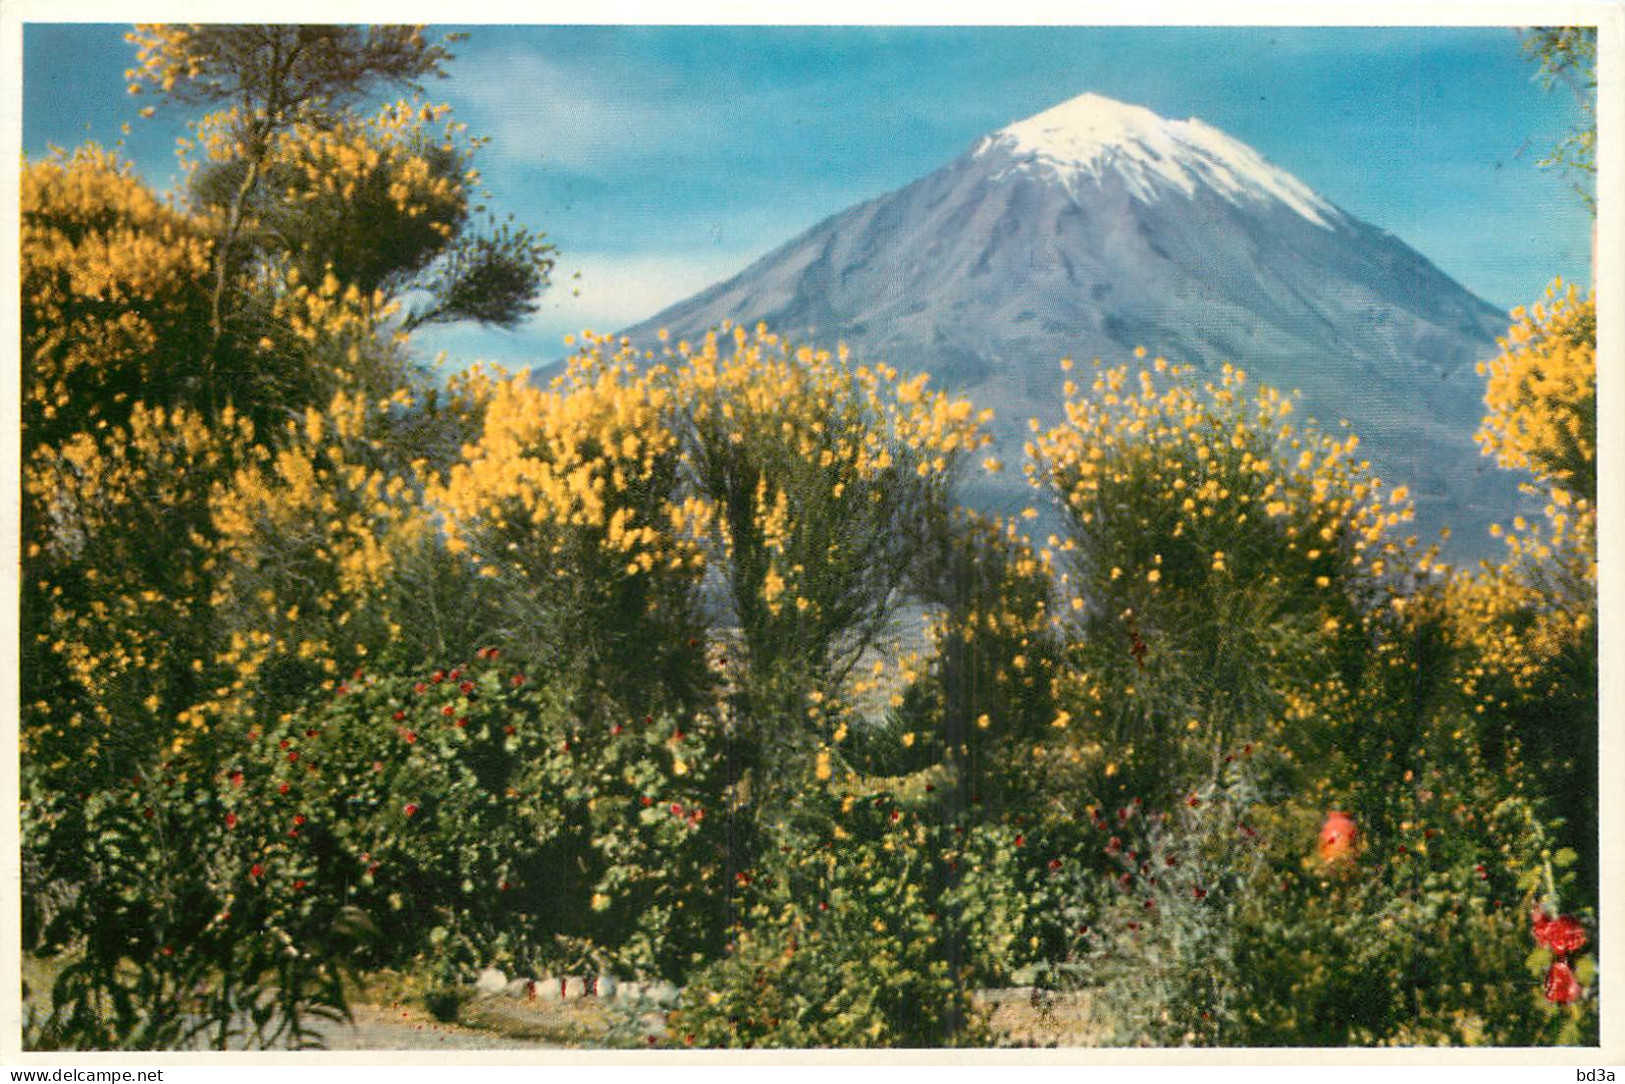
<point>840,943</point>
<point>471,815</point>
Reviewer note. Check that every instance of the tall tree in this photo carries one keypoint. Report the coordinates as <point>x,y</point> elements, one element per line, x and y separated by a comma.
<point>295,179</point>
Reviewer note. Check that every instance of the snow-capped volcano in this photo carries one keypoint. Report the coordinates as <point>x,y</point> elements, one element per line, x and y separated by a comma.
<point>1095,227</point>
<point>1090,136</point>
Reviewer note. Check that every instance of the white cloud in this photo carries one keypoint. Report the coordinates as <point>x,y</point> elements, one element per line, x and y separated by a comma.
<point>607,292</point>
<point>540,110</point>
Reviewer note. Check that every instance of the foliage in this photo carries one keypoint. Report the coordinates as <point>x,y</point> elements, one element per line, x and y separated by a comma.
<point>839,943</point>
<point>988,693</point>
<point>167,940</point>
<point>1157,928</point>
<point>476,820</point>
<point>117,592</point>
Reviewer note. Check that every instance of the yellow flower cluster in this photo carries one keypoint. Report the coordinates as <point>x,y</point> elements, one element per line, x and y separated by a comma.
<point>1220,467</point>
<point>309,533</point>
<point>1516,616</point>
<point>121,556</point>
<point>827,441</point>
<point>387,152</point>
<point>93,237</point>
<point>1541,392</point>
<point>163,56</point>
<point>592,457</point>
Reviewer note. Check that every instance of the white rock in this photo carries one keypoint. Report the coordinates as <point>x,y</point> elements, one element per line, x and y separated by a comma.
<point>663,994</point>
<point>630,991</point>
<point>548,988</point>
<point>491,981</point>
<point>605,986</point>
<point>575,986</point>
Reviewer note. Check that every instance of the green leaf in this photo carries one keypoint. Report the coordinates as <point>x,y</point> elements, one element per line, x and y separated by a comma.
<point>1564,858</point>
<point>1585,970</point>
<point>1538,961</point>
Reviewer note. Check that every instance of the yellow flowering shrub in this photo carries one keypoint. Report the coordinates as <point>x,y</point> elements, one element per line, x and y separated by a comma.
<point>988,690</point>
<point>119,559</point>
<point>1218,564</point>
<point>112,287</point>
<point>1541,393</point>
<point>570,501</point>
<point>310,531</point>
<point>825,478</point>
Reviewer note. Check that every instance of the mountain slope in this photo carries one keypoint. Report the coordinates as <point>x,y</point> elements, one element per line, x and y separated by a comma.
<point>1095,227</point>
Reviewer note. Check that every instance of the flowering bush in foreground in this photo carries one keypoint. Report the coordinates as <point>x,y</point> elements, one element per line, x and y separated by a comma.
<point>842,940</point>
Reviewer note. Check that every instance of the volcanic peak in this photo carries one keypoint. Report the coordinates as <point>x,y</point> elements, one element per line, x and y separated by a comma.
<point>1092,136</point>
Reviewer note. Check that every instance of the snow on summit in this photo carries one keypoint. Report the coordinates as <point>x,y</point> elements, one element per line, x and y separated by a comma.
<point>1090,135</point>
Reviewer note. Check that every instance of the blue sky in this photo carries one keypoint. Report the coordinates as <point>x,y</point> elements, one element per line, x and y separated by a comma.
<point>662,159</point>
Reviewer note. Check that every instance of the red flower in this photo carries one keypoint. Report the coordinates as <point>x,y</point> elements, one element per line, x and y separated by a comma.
<point>282,789</point>
<point>676,810</point>
<point>438,676</point>
<point>310,733</point>
<point>455,674</point>
<point>399,715</point>
<point>1054,863</point>
<point>462,723</point>
<point>298,819</point>
<point>420,688</point>
<point>1193,801</point>
<point>467,687</point>
<point>1561,985</point>
<point>646,800</point>
<point>1199,893</point>
<point>409,736</point>
<point>518,679</point>
<point>1562,935</point>
<point>616,729</point>
<point>1020,840</point>
<point>237,778</point>
<point>231,820</point>
<point>448,710</point>
<point>293,758</point>
<point>256,870</point>
<point>411,809</point>
<point>297,885</point>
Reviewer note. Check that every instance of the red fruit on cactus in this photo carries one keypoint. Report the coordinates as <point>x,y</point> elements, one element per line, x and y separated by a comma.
<point>1561,985</point>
